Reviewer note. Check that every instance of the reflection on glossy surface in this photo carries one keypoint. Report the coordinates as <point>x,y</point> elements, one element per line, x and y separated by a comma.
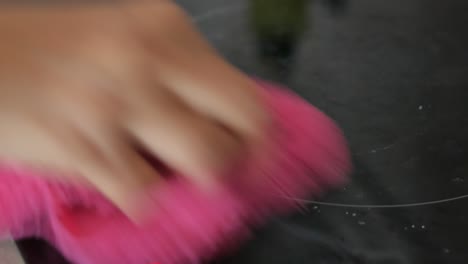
<point>394,74</point>
<point>337,7</point>
<point>278,26</point>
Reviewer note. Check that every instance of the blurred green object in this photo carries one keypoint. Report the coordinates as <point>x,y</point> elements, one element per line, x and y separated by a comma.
<point>279,17</point>
<point>278,25</point>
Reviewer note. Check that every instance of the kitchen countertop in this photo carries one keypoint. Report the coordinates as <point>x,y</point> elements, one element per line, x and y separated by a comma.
<point>394,75</point>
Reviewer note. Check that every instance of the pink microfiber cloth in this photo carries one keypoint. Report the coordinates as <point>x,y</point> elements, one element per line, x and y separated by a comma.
<point>188,225</point>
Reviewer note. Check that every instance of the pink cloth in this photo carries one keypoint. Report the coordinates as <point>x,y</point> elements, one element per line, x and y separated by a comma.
<point>187,226</point>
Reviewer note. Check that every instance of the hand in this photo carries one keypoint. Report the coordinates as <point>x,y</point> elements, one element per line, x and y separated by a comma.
<point>82,86</point>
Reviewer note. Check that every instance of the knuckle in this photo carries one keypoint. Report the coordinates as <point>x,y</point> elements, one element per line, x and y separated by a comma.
<point>214,146</point>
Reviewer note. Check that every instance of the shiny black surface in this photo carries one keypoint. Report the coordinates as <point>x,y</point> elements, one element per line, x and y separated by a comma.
<point>394,74</point>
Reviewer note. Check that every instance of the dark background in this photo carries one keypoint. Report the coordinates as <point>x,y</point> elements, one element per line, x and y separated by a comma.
<point>394,74</point>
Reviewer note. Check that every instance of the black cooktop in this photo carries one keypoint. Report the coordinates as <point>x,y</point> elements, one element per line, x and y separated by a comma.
<point>394,74</point>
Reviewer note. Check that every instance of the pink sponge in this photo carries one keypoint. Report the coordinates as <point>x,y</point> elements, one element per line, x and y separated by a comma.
<point>186,226</point>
